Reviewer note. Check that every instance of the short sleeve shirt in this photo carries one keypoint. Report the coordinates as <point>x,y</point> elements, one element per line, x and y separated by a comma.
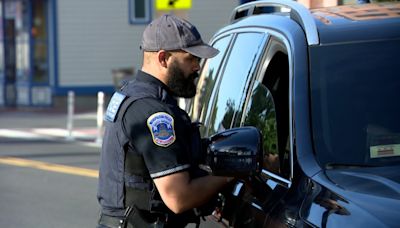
<point>161,132</point>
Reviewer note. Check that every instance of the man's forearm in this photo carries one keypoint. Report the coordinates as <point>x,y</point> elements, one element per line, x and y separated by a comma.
<point>203,188</point>
<point>180,193</point>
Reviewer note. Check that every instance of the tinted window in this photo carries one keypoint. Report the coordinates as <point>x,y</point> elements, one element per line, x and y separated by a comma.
<point>268,110</point>
<point>229,97</point>
<point>207,81</point>
<point>261,113</point>
<point>355,109</point>
<point>276,79</point>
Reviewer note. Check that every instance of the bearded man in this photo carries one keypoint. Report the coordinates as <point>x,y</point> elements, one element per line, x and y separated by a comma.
<point>147,169</point>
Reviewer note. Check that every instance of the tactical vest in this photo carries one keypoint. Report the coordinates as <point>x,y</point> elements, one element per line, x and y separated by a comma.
<point>128,181</point>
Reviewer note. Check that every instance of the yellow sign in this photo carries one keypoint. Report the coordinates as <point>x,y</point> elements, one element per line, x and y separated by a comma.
<point>173,4</point>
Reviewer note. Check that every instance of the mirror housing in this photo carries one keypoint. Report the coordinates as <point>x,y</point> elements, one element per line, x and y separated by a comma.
<point>235,152</point>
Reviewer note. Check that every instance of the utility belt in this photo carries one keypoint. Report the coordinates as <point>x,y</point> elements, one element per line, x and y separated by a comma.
<point>146,209</point>
<point>134,218</point>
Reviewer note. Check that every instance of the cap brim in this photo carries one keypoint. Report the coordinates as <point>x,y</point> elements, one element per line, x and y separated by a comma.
<point>203,51</point>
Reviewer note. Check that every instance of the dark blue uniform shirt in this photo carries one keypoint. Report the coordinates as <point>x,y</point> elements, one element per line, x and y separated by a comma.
<point>162,155</point>
<point>153,127</point>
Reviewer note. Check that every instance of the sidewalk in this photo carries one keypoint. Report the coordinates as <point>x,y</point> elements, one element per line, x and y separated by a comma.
<point>47,124</point>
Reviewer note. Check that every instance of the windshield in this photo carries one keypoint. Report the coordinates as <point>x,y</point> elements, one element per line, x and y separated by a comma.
<point>355,92</point>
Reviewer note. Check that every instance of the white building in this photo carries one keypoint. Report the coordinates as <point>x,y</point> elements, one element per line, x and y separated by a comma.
<point>50,47</point>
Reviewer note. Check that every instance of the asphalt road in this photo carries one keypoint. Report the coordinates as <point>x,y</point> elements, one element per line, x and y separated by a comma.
<point>31,196</point>
<point>46,179</point>
<point>35,198</point>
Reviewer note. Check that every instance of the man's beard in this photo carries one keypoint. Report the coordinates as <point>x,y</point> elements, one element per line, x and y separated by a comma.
<point>178,84</point>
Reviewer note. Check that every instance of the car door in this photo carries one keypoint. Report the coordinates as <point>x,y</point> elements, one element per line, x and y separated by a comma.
<point>225,80</point>
<point>264,103</point>
<point>247,84</point>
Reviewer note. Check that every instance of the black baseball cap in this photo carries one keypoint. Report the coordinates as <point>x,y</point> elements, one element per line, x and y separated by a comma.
<point>170,33</point>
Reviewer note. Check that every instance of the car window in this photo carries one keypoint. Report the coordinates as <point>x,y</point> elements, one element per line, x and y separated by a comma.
<point>267,109</point>
<point>207,81</point>
<point>229,97</point>
<point>260,113</point>
<point>276,79</point>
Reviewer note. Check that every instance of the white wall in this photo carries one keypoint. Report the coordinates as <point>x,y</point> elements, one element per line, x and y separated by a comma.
<point>94,37</point>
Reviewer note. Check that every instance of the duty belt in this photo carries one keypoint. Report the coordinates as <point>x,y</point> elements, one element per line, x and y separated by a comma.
<point>109,221</point>
<point>134,218</point>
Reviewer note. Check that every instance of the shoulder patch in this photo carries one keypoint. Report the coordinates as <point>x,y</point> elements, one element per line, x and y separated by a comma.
<point>114,106</point>
<point>161,127</point>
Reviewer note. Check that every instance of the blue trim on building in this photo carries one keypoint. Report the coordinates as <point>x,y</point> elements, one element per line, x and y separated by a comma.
<point>31,50</point>
<point>83,90</point>
<point>8,82</point>
<point>55,44</point>
<point>2,74</point>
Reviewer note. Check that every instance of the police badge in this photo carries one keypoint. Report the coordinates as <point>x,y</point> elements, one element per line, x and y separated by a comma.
<point>161,126</point>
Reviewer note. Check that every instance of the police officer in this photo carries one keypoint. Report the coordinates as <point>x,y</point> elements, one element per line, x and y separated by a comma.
<point>149,174</point>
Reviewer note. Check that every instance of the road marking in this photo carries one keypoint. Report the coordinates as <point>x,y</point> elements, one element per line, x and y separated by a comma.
<point>48,133</point>
<point>49,167</point>
<point>22,134</point>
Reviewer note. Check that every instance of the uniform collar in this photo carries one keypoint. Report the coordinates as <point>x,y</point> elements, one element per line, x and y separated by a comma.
<point>164,92</point>
<point>145,77</point>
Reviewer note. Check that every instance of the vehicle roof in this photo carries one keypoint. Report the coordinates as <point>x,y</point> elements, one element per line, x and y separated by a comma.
<point>338,24</point>
<point>358,22</point>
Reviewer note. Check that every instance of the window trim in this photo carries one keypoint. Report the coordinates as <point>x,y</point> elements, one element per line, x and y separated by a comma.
<point>148,12</point>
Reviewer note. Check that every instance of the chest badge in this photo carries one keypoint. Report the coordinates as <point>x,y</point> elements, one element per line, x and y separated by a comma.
<point>161,127</point>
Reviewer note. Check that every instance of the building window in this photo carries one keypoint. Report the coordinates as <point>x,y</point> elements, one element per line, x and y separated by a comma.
<point>140,11</point>
<point>39,42</point>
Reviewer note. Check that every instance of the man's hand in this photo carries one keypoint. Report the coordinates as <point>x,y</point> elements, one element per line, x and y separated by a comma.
<point>180,193</point>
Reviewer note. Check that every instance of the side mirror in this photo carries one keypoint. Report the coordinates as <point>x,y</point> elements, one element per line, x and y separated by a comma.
<point>235,152</point>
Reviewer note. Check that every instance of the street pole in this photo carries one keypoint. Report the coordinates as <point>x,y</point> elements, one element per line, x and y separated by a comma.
<point>100,116</point>
<point>70,115</point>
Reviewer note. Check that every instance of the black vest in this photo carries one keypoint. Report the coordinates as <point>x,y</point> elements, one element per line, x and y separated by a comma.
<point>124,179</point>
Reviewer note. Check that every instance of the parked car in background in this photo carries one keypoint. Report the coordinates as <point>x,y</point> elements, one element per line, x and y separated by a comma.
<point>322,86</point>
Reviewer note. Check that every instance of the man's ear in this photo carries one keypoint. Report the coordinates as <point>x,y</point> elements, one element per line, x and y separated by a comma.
<point>163,58</point>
